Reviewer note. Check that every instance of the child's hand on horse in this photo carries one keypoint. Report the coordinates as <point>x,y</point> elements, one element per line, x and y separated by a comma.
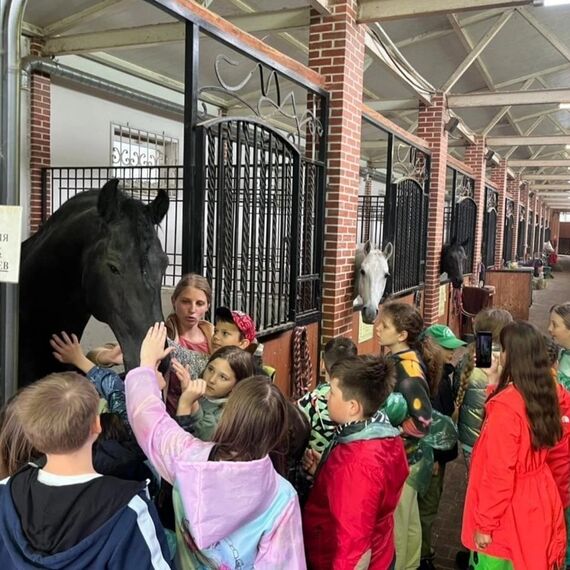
<point>193,390</point>
<point>153,348</point>
<point>68,351</point>
<point>311,460</point>
<point>182,373</point>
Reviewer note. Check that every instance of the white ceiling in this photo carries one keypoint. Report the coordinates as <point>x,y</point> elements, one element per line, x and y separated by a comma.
<point>517,51</point>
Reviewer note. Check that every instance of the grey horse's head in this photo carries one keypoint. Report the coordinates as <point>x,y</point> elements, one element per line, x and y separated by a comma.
<point>372,272</point>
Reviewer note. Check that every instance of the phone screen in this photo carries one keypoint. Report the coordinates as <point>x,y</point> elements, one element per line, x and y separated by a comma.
<point>484,349</point>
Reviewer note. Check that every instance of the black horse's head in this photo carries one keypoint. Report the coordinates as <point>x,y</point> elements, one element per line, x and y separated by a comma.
<point>123,269</point>
<point>453,259</point>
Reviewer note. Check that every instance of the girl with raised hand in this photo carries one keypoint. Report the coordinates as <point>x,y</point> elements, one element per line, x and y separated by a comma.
<point>513,515</point>
<point>559,329</point>
<point>202,401</point>
<point>231,502</point>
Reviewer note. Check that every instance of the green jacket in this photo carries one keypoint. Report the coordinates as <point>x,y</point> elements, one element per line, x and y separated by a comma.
<point>473,408</point>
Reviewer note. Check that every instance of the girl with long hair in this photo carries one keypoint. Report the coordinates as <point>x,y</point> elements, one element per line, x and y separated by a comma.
<point>203,400</point>
<point>418,366</point>
<point>513,515</point>
<point>232,505</point>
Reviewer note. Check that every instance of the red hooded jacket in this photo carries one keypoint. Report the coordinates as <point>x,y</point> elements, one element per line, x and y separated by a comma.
<point>512,494</point>
<point>350,511</point>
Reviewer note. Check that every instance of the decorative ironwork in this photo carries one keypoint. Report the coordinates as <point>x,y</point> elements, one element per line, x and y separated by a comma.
<point>409,235</point>
<point>137,147</point>
<point>464,186</point>
<point>491,199</point>
<point>508,238</point>
<point>509,208</point>
<point>409,162</point>
<point>271,102</point>
<point>522,213</point>
<point>521,239</point>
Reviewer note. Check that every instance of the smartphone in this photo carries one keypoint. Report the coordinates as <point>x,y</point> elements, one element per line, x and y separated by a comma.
<point>484,349</point>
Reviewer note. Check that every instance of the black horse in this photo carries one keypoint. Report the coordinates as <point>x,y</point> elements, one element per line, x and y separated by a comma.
<point>453,259</point>
<point>99,255</point>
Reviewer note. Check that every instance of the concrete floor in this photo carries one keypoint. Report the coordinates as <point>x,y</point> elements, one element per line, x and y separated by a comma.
<point>447,529</point>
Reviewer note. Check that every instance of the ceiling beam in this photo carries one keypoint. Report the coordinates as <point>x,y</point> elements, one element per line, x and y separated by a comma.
<point>393,105</point>
<point>476,51</point>
<point>538,162</point>
<point>375,10</point>
<point>503,98</point>
<point>321,6</point>
<point>534,75</point>
<point>539,140</point>
<point>564,177</point>
<point>546,187</point>
<point>172,32</point>
<point>77,18</point>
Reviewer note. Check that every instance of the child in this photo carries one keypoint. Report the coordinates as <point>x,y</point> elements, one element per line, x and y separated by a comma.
<point>349,517</point>
<point>67,514</point>
<point>513,515</point>
<point>314,404</point>
<point>231,505</point>
<point>559,328</point>
<point>15,449</point>
<point>202,401</point>
<point>474,383</point>
<point>399,329</point>
<point>233,328</point>
<point>444,402</point>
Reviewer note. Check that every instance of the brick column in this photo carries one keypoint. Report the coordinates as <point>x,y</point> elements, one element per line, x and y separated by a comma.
<point>336,51</point>
<point>499,179</point>
<point>431,123</point>
<point>40,137</point>
<point>515,190</point>
<point>475,158</point>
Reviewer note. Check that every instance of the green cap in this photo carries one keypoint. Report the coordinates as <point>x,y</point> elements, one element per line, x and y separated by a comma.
<point>444,336</point>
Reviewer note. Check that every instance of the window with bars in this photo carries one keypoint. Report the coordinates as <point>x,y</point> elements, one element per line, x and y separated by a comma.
<point>140,148</point>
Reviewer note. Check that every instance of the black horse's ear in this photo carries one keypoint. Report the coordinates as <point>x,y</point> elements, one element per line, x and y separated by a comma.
<point>158,207</point>
<point>464,242</point>
<point>108,205</point>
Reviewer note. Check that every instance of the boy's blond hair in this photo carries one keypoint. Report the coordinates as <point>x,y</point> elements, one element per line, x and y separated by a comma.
<point>58,412</point>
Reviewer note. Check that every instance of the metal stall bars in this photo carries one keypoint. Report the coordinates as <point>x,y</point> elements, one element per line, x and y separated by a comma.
<point>460,221</point>
<point>509,231</point>
<point>521,242</point>
<point>489,227</point>
<point>400,217</point>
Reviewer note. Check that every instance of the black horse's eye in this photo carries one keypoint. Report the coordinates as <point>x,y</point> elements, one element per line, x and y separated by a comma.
<point>362,272</point>
<point>113,268</point>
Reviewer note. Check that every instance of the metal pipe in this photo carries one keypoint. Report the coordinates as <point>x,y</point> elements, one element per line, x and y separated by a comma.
<point>89,80</point>
<point>12,13</point>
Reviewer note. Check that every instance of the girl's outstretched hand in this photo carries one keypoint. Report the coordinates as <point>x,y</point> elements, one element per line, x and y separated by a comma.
<point>67,349</point>
<point>153,346</point>
<point>182,373</point>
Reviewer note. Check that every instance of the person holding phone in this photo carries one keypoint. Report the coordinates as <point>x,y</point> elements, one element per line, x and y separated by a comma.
<point>513,516</point>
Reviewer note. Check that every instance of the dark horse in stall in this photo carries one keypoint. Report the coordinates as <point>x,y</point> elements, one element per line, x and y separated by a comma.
<point>99,255</point>
<point>453,259</point>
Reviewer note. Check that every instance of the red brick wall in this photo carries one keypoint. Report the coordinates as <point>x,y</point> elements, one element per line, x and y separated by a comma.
<point>475,158</point>
<point>431,123</point>
<point>499,179</point>
<point>40,137</point>
<point>336,50</point>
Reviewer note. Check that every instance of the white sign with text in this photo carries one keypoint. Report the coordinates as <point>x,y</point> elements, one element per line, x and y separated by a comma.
<point>10,243</point>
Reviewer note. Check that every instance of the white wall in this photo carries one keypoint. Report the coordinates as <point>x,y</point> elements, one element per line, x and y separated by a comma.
<point>81,127</point>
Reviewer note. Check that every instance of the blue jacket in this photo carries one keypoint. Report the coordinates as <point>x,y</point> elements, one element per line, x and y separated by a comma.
<point>105,523</point>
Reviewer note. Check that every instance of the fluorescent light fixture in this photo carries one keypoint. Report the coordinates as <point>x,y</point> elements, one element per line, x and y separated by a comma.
<point>555,2</point>
<point>564,106</point>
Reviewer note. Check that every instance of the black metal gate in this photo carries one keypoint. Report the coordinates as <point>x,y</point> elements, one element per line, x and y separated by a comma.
<point>489,227</point>
<point>508,231</point>
<point>410,222</point>
<point>521,239</point>
<point>465,224</point>
<point>259,251</point>
<point>547,235</point>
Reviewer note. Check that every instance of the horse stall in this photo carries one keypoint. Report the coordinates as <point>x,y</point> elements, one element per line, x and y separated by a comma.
<point>392,217</point>
<point>247,211</point>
